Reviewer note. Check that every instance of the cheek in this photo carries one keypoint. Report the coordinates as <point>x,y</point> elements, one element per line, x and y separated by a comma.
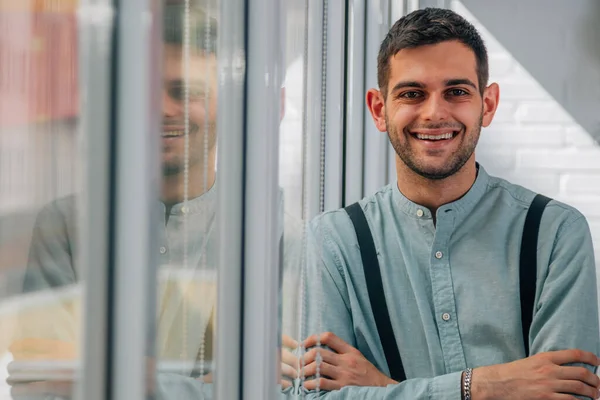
<point>197,113</point>
<point>402,116</point>
<point>467,114</point>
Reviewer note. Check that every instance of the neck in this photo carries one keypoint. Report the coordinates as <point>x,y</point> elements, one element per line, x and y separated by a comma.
<point>173,186</point>
<point>433,193</point>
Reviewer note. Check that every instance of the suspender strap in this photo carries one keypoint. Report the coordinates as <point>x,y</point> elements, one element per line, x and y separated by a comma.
<point>376,293</point>
<point>528,263</point>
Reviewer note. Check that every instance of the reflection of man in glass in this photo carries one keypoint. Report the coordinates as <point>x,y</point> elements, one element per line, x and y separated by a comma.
<point>187,249</point>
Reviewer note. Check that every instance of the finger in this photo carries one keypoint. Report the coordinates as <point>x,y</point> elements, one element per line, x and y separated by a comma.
<point>576,388</point>
<point>330,340</point>
<point>285,384</point>
<point>289,358</point>
<point>288,342</point>
<point>327,356</point>
<point>323,384</point>
<point>573,356</point>
<point>325,369</point>
<point>579,374</point>
<point>288,371</point>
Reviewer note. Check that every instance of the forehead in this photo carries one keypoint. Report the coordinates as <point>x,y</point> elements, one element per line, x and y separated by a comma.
<point>200,64</point>
<point>432,65</point>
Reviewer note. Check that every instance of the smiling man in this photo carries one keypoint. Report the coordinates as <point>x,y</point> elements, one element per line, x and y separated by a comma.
<point>449,283</point>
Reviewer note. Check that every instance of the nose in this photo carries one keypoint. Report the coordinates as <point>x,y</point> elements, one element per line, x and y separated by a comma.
<point>434,109</point>
<point>171,108</point>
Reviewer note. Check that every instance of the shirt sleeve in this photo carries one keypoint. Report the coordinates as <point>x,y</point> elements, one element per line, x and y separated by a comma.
<point>49,268</point>
<point>328,310</point>
<point>566,314</point>
<point>50,257</point>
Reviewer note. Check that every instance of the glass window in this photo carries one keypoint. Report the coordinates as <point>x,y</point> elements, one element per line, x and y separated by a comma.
<point>40,183</point>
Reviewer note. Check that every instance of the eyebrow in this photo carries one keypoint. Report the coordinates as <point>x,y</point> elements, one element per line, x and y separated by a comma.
<point>449,82</point>
<point>461,81</point>
<point>407,84</point>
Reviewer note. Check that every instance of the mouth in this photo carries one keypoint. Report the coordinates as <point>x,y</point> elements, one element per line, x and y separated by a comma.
<point>435,136</point>
<point>173,133</point>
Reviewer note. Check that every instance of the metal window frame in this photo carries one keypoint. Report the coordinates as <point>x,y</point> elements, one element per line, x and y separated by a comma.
<point>230,198</point>
<point>120,106</point>
<point>335,66</point>
<point>355,102</point>
<point>376,145</point>
<point>134,228</point>
<point>264,77</point>
<point>313,110</point>
<point>96,34</point>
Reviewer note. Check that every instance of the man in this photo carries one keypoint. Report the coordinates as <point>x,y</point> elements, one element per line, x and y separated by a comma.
<point>447,238</point>
<point>187,275</point>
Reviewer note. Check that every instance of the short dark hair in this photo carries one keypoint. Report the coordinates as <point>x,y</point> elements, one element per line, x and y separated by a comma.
<point>202,26</point>
<point>426,27</point>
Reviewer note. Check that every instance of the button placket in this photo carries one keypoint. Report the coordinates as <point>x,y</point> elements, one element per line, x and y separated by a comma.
<point>444,296</point>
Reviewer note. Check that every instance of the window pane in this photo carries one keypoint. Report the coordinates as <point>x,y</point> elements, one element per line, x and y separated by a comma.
<point>40,293</point>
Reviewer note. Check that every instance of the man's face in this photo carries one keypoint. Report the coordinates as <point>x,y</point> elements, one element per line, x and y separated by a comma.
<point>434,111</point>
<point>202,108</point>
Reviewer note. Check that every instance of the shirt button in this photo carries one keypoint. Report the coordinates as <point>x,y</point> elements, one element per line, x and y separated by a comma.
<point>439,255</point>
<point>184,210</point>
<point>420,213</point>
<point>446,317</point>
<point>163,250</point>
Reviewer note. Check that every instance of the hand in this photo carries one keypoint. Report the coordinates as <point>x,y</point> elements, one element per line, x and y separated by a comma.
<point>344,366</point>
<point>289,362</point>
<point>542,376</point>
<point>36,349</point>
<point>43,349</point>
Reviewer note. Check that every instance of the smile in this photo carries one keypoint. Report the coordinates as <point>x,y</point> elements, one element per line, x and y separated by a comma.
<point>177,133</point>
<point>435,136</point>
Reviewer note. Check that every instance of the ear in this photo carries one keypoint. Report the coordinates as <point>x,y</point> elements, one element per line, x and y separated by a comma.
<point>376,105</point>
<point>491,98</point>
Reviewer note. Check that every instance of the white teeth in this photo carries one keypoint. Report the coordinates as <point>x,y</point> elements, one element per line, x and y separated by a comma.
<point>435,137</point>
<point>173,133</point>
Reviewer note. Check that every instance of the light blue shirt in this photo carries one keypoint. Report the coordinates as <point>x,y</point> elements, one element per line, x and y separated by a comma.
<point>460,309</point>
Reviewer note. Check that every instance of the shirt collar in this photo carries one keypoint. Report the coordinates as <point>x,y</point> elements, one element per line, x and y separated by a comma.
<point>465,204</point>
<point>197,205</point>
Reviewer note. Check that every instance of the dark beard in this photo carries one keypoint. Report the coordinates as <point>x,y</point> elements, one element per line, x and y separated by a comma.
<point>172,169</point>
<point>455,163</point>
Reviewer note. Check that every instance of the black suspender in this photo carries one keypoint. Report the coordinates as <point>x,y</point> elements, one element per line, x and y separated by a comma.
<point>375,289</point>
<point>528,263</point>
<point>371,268</point>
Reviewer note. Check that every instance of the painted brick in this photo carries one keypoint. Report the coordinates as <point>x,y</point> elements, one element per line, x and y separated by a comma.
<point>496,160</point>
<point>576,136</point>
<point>515,90</point>
<point>540,182</point>
<point>559,160</point>
<point>541,112</point>
<point>501,65</point>
<point>542,135</point>
<point>582,184</point>
<point>505,112</point>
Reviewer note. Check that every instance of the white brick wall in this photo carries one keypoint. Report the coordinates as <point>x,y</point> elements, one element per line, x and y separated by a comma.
<point>534,142</point>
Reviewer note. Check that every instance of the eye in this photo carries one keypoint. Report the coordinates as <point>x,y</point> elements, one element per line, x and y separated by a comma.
<point>176,93</point>
<point>194,93</point>
<point>458,92</point>
<point>410,95</point>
